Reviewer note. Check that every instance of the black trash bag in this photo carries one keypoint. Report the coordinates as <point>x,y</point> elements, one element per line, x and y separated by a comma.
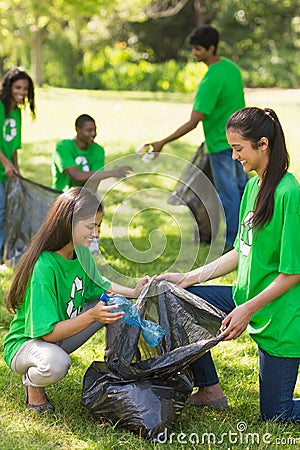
<point>191,325</point>
<point>195,190</point>
<point>26,205</point>
<point>146,407</point>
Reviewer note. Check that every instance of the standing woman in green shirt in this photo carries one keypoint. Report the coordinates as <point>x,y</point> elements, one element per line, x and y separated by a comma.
<point>266,254</point>
<point>16,91</point>
<point>55,296</point>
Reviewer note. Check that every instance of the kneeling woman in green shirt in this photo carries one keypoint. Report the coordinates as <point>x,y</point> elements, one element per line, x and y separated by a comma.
<point>266,254</point>
<point>55,296</point>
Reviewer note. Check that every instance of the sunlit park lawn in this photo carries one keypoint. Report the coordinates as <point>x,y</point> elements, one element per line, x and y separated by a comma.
<point>126,121</point>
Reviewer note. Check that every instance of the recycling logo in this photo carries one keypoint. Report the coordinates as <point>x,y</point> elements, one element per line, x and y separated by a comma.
<point>77,287</point>
<point>83,162</point>
<point>246,236</point>
<point>9,129</point>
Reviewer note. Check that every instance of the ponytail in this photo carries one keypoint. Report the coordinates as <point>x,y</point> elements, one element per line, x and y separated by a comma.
<point>253,124</point>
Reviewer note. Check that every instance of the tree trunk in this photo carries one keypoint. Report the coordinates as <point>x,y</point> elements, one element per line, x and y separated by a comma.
<point>205,11</point>
<point>198,14</point>
<point>36,56</point>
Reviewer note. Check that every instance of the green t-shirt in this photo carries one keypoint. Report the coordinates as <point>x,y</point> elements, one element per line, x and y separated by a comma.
<point>58,290</point>
<point>10,135</point>
<point>219,94</point>
<point>263,256</point>
<point>67,154</point>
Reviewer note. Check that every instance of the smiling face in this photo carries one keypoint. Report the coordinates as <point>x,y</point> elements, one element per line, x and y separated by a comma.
<point>86,134</point>
<point>19,91</point>
<point>243,151</point>
<point>85,231</point>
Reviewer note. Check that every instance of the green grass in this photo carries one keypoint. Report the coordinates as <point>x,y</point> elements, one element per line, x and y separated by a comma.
<point>125,121</point>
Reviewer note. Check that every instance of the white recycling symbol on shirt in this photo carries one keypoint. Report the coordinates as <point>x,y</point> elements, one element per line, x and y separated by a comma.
<point>9,129</point>
<point>246,236</point>
<point>81,160</point>
<point>77,286</point>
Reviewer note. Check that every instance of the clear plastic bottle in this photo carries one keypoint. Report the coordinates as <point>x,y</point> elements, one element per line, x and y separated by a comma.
<point>152,332</point>
<point>146,153</point>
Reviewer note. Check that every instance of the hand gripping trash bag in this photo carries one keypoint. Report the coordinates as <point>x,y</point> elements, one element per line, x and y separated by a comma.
<point>195,189</point>
<point>27,204</point>
<point>144,389</point>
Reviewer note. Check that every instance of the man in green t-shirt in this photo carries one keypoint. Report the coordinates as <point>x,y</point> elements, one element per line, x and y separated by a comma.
<point>78,160</point>
<point>219,94</point>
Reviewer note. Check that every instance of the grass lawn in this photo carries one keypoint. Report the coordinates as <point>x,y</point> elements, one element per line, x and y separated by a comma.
<point>134,208</point>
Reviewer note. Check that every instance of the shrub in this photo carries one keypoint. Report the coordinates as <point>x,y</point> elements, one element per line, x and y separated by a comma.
<point>124,69</point>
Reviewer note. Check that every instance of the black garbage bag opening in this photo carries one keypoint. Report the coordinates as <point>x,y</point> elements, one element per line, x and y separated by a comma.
<point>194,189</point>
<point>159,375</point>
<point>26,205</point>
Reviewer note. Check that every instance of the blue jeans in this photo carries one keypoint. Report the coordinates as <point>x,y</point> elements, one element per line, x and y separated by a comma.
<point>2,217</point>
<point>277,380</point>
<point>229,180</point>
<point>277,376</point>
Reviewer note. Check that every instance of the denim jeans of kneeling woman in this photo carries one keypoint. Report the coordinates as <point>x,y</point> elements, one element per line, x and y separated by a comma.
<point>277,375</point>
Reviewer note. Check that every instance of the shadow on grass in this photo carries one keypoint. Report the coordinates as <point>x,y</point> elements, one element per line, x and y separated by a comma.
<point>141,96</point>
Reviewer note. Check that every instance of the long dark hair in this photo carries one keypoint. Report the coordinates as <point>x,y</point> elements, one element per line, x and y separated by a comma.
<point>55,232</point>
<point>253,124</point>
<point>5,90</point>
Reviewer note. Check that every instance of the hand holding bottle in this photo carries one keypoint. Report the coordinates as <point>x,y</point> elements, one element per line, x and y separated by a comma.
<point>151,331</point>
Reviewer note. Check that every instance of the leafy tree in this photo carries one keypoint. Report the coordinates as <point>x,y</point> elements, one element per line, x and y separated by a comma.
<point>163,31</point>
<point>35,21</point>
<point>262,37</point>
<point>61,40</point>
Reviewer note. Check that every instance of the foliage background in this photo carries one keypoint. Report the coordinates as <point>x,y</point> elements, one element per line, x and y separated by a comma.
<point>142,44</point>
